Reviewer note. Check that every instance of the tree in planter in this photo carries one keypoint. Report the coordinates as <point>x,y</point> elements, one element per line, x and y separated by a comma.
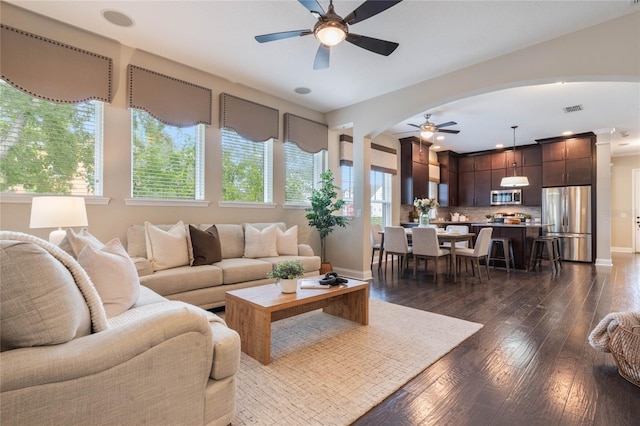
<point>321,213</point>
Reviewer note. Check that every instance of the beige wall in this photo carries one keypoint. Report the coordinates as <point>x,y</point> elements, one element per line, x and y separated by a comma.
<point>111,220</point>
<point>621,212</point>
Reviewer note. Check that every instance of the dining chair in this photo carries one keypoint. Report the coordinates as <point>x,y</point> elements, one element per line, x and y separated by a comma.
<point>376,241</point>
<point>395,244</point>
<point>457,228</point>
<point>479,251</point>
<point>425,245</point>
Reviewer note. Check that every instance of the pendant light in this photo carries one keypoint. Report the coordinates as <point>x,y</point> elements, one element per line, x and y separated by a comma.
<point>515,180</point>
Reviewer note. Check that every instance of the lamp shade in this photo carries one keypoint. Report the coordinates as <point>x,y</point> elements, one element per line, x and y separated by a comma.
<point>514,181</point>
<point>58,212</point>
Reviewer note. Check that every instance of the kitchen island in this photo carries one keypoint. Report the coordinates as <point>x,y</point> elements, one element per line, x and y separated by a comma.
<point>521,236</point>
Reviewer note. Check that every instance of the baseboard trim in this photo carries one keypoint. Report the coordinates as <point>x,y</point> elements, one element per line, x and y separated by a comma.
<point>621,249</point>
<point>604,263</point>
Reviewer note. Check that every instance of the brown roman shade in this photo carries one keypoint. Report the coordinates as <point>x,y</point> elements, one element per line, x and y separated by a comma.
<point>53,71</point>
<point>309,135</point>
<point>383,159</point>
<point>172,101</point>
<point>250,120</point>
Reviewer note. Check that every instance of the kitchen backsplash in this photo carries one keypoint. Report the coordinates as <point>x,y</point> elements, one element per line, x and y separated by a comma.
<point>473,214</point>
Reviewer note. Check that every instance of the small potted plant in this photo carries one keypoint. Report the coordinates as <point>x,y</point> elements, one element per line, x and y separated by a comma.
<point>527,218</point>
<point>489,217</point>
<point>287,273</point>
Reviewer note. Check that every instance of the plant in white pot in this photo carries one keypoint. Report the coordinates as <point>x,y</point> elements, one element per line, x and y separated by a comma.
<point>287,273</point>
<point>321,215</point>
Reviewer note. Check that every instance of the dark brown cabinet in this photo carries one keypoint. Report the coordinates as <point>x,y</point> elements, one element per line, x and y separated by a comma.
<point>448,187</point>
<point>528,160</point>
<point>568,162</point>
<point>532,194</point>
<point>414,169</point>
<point>474,188</point>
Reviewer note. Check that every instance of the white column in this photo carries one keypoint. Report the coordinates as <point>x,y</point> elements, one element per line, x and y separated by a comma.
<point>603,194</point>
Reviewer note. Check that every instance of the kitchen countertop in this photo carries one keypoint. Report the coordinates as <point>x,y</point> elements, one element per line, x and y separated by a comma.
<point>511,225</point>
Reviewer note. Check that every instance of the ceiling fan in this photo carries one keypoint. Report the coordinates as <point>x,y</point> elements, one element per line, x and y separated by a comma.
<point>427,129</point>
<point>332,29</point>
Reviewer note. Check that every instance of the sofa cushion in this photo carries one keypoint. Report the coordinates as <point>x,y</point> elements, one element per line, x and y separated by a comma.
<point>287,242</point>
<point>205,245</point>
<point>167,249</point>
<point>243,269</point>
<point>81,240</point>
<point>40,301</point>
<point>231,240</point>
<point>260,243</point>
<point>113,274</point>
<point>137,240</point>
<point>183,278</point>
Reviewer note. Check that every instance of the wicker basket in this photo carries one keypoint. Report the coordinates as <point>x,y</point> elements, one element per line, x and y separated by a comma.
<point>625,347</point>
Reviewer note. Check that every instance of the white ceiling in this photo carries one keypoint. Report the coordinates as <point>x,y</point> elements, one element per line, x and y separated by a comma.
<point>436,37</point>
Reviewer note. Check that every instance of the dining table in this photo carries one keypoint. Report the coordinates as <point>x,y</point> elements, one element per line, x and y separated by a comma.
<point>443,236</point>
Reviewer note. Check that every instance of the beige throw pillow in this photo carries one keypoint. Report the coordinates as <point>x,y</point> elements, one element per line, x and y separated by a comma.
<point>113,274</point>
<point>287,242</point>
<point>167,249</point>
<point>74,243</point>
<point>260,243</point>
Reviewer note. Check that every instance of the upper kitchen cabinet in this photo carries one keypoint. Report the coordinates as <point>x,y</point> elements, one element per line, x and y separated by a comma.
<point>474,180</point>
<point>448,187</point>
<point>568,161</point>
<point>414,173</point>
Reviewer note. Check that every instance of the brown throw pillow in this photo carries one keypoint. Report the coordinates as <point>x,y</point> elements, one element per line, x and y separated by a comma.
<point>206,246</point>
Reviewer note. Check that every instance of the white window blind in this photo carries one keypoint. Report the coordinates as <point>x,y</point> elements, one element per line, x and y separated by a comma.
<point>303,171</point>
<point>49,148</point>
<point>247,169</point>
<point>167,161</point>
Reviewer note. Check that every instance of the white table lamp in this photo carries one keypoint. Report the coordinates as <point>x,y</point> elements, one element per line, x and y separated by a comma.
<point>58,212</point>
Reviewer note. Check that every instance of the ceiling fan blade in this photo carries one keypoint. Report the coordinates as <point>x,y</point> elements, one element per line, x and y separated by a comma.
<point>447,124</point>
<point>322,58</point>
<point>279,36</point>
<point>414,125</point>
<point>455,132</point>
<point>381,47</point>
<point>368,9</point>
<point>313,6</point>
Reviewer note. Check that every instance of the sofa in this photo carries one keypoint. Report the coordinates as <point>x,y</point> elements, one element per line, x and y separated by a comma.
<point>247,253</point>
<point>84,343</point>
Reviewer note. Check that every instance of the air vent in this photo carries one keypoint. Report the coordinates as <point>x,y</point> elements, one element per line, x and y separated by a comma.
<point>574,108</point>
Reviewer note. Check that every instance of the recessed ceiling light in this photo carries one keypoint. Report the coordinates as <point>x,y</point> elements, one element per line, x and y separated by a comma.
<point>117,18</point>
<point>567,133</point>
<point>440,138</point>
<point>500,145</point>
<point>302,90</point>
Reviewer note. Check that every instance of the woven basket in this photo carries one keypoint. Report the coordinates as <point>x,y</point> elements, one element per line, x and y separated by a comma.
<point>625,348</point>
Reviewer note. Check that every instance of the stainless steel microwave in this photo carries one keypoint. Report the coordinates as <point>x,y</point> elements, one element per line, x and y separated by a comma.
<point>503,197</point>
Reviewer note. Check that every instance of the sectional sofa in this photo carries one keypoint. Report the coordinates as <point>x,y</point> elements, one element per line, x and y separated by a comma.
<point>248,252</point>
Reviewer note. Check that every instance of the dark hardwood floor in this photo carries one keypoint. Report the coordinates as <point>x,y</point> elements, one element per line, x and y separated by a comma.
<point>531,363</point>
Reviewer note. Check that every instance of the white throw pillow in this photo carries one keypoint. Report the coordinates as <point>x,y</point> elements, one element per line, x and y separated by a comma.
<point>166,249</point>
<point>113,274</point>
<point>76,242</point>
<point>287,242</point>
<point>260,243</point>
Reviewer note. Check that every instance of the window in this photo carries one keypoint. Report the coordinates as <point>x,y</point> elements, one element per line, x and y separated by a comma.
<point>246,169</point>
<point>380,195</point>
<point>49,148</point>
<point>167,161</point>
<point>302,173</point>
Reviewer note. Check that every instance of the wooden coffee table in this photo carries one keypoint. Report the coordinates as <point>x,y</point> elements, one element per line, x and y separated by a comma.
<point>250,311</point>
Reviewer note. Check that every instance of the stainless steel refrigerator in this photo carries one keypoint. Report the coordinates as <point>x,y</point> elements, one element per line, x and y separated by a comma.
<point>568,210</point>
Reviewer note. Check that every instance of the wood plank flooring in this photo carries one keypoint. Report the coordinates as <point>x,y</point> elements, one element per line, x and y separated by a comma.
<point>531,363</point>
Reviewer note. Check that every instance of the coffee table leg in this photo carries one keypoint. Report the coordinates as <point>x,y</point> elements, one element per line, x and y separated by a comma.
<point>352,306</point>
<point>254,328</point>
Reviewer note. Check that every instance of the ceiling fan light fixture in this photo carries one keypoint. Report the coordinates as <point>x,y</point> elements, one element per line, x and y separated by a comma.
<point>426,134</point>
<point>330,33</point>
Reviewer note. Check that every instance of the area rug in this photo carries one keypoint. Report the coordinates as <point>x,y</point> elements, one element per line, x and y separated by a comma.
<point>329,371</point>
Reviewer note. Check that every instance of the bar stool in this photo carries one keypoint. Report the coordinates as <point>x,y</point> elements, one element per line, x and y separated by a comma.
<point>552,246</point>
<point>507,252</point>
